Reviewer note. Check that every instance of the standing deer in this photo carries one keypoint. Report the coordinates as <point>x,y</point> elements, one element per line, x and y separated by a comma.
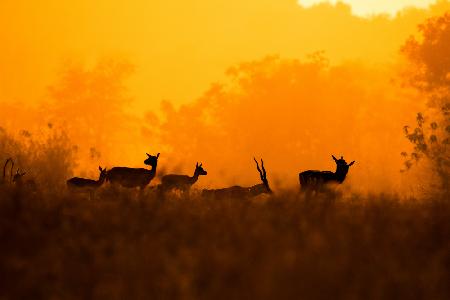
<point>134,177</point>
<point>83,185</point>
<point>315,179</point>
<point>239,192</point>
<point>181,182</point>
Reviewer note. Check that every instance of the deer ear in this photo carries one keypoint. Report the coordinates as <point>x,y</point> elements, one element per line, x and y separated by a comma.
<point>148,154</point>
<point>201,164</point>
<point>334,158</point>
<point>157,155</point>
<point>196,165</point>
<point>350,164</point>
<point>99,168</point>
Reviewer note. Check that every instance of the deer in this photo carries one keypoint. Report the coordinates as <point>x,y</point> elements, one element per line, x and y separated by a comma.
<point>83,185</point>
<point>181,182</point>
<point>134,177</point>
<point>315,179</point>
<point>239,192</point>
<point>17,179</point>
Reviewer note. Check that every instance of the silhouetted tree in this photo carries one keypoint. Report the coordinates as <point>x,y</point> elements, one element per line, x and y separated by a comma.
<point>90,105</point>
<point>429,56</point>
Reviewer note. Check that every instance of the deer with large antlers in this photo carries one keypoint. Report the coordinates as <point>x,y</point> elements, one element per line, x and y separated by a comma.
<point>17,179</point>
<point>239,192</point>
<point>134,177</point>
<point>83,185</point>
<point>181,182</point>
<point>315,179</point>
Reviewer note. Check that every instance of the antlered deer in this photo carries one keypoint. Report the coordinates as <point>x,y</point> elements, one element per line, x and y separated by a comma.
<point>134,177</point>
<point>315,179</point>
<point>83,185</point>
<point>239,192</point>
<point>17,179</point>
<point>181,182</point>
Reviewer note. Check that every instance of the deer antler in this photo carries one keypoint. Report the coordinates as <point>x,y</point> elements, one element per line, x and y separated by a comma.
<point>264,169</point>
<point>261,173</point>
<point>4,167</point>
<point>11,172</point>
<point>335,159</point>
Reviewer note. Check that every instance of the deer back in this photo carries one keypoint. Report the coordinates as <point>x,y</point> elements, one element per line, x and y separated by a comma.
<point>130,177</point>
<point>173,180</point>
<point>77,182</point>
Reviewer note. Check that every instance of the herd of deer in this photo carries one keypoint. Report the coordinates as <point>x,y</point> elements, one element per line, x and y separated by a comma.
<point>141,177</point>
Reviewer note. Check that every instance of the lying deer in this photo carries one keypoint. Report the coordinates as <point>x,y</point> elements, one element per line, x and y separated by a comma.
<point>134,177</point>
<point>315,179</point>
<point>17,179</point>
<point>83,185</point>
<point>239,192</point>
<point>181,182</point>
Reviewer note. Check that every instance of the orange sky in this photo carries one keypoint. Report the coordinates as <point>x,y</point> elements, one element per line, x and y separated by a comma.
<point>187,44</point>
<point>357,107</point>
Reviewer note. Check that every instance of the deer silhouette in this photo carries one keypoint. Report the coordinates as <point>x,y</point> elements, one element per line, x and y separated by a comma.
<point>134,177</point>
<point>315,179</point>
<point>83,185</point>
<point>239,192</point>
<point>181,182</point>
<point>17,178</point>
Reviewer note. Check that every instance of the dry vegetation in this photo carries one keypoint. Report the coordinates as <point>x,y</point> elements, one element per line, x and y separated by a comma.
<point>126,245</point>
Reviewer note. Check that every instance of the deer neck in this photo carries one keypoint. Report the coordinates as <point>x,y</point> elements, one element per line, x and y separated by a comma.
<point>101,180</point>
<point>194,178</point>
<point>340,174</point>
<point>153,170</point>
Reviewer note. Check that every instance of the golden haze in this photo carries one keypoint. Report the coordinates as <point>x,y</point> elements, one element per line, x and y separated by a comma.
<point>99,71</point>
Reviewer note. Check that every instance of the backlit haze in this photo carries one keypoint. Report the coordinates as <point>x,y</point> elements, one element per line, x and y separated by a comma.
<point>216,81</point>
<point>370,7</point>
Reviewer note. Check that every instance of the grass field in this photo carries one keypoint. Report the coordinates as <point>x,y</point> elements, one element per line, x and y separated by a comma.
<point>130,245</point>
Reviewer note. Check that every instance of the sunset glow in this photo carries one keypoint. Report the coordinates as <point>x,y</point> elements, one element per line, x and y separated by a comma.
<point>224,149</point>
<point>370,7</point>
<point>156,57</point>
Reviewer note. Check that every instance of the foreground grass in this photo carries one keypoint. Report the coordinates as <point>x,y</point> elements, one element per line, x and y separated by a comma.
<point>122,245</point>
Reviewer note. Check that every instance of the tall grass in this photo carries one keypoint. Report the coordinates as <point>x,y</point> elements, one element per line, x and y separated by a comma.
<point>126,244</point>
<point>130,245</point>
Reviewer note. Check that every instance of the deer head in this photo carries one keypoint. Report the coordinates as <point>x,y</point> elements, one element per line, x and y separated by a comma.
<point>151,160</point>
<point>17,178</point>
<point>103,173</point>
<point>263,174</point>
<point>199,170</point>
<point>341,167</point>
